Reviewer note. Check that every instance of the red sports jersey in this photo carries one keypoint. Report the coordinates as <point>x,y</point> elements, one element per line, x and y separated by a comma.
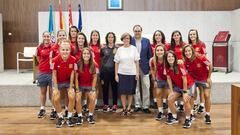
<point>198,68</point>
<point>160,70</point>
<point>178,51</point>
<point>73,47</point>
<point>55,50</point>
<point>64,69</point>
<point>78,55</point>
<point>44,58</point>
<point>177,78</point>
<point>200,48</point>
<point>96,51</point>
<point>85,78</point>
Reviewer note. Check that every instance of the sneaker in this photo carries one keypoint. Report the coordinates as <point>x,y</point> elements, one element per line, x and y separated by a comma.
<point>66,114</point>
<point>96,108</point>
<point>187,123</point>
<point>41,113</point>
<point>137,109</point>
<point>180,108</point>
<point>60,122</point>
<point>165,106</point>
<point>128,112</point>
<point>75,115</point>
<point>146,111</point>
<point>171,120</point>
<point>70,122</point>
<point>53,115</point>
<point>85,108</point>
<point>195,108</point>
<point>106,108</point>
<point>124,112</point>
<point>91,119</point>
<point>159,116</point>
<point>200,109</point>
<point>192,117</point>
<point>79,121</point>
<point>207,119</point>
<point>114,108</point>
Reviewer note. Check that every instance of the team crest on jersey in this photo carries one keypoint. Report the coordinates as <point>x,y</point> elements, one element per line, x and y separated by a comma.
<point>70,65</point>
<point>198,65</point>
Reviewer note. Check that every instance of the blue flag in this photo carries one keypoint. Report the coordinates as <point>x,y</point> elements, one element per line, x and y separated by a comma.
<point>50,25</point>
<point>79,18</point>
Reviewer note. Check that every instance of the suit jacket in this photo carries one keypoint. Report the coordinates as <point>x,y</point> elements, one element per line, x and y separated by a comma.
<point>145,54</point>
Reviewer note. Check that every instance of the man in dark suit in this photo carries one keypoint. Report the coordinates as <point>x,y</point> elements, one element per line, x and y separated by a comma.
<point>144,49</point>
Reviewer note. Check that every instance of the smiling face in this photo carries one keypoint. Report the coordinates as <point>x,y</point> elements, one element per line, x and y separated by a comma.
<point>176,37</point>
<point>126,40</point>
<point>61,36</point>
<point>158,37</point>
<point>95,37</point>
<point>137,32</point>
<point>170,59</point>
<point>80,41</point>
<point>110,39</point>
<point>46,37</point>
<point>86,55</point>
<point>65,50</point>
<point>159,51</point>
<point>193,35</point>
<point>73,32</point>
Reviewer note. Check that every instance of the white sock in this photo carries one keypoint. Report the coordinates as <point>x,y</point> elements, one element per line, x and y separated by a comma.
<point>84,102</point>
<point>207,113</point>
<point>90,114</point>
<point>188,117</point>
<point>164,100</point>
<point>155,100</point>
<point>160,109</point>
<point>195,102</point>
<point>169,111</point>
<point>96,102</point>
<point>80,115</point>
<point>174,116</point>
<point>66,108</point>
<point>42,107</point>
<point>70,114</point>
<point>192,111</point>
<point>60,115</point>
<point>202,104</point>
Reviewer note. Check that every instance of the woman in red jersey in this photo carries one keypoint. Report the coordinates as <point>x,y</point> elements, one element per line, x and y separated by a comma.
<point>200,69</point>
<point>81,43</point>
<point>159,78</point>
<point>72,36</point>
<point>64,67</point>
<point>181,84</point>
<point>85,82</point>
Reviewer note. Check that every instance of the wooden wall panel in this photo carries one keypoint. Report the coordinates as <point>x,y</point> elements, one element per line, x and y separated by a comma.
<point>20,17</point>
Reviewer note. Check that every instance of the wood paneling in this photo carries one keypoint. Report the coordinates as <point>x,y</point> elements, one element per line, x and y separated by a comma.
<point>20,17</point>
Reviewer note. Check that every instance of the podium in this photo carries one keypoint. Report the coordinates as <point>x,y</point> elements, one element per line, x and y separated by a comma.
<point>220,48</point>
<point>235,118</point>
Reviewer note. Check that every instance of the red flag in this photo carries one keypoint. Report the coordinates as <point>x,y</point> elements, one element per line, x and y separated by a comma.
<point>70,15</point>
<point>61,22</point>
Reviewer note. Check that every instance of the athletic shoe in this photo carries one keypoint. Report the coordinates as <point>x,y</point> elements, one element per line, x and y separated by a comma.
<point>106,108</point>
<point>146,111</point>
<point>159,116</point>
<point>137,109</point>
<point>128,112</point>
<point>207,119</point>
<point>180,108</point>
<point>79,121</point>
<point>114,108</point>
<point>171,120</point>
<point>124,112</point>
<point>165,106</point>
<point>195,108</point>
<point>187,123</point>
<point>66,114</point>
<point>41,113</point>
<point>91,119</point>
<point>200,109</point>
<point>70,122</point>
<point>192,117</point>
<point>60,122</point>
<point>53,115</point>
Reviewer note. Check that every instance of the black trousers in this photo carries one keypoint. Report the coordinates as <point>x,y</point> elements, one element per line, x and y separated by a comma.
<point>109,79</point>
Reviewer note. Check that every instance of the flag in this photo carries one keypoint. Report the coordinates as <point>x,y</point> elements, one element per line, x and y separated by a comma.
<point>70,15</point>
<point>50,25</point>
<point>61,19</point>
<point>79,18</point>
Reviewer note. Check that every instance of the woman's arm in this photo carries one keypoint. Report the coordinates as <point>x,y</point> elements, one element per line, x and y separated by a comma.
<point>54,79</point>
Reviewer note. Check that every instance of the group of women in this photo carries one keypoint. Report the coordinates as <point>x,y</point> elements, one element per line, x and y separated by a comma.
<point>75,69</point>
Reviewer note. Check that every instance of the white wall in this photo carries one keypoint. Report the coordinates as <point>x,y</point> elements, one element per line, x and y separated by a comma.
<point>1,46</point>
<point>208,24</point>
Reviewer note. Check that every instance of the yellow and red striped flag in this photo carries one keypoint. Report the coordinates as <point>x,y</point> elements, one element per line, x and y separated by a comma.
<point>61,19</point>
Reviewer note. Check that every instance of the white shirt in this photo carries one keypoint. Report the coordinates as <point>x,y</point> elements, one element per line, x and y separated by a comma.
<point>139,45</point>
<point>126,57</point>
